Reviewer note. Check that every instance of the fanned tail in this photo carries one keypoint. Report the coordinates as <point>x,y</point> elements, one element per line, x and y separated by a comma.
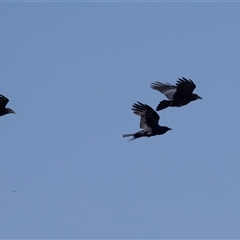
<point>163,104</point>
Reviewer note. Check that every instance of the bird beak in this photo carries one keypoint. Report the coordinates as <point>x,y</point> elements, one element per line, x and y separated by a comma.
<point>199,97</point>
<point>11,111</point>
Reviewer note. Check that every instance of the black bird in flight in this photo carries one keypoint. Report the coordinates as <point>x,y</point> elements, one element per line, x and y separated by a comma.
<point>148,122</point>
<point>3,103</point>
<point>179,95</point>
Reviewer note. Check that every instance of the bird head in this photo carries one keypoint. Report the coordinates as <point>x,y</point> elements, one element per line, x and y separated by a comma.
<point>9,110</point>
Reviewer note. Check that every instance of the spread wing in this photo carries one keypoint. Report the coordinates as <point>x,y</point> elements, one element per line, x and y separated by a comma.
<point>149,118</point>
<point>3,101</point>
<point>185,87</point>
<point>166,88</point>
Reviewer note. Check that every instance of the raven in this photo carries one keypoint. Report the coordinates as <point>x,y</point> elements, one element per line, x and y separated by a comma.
<point>178,95</point>
<point>148,122</point>
<point>3,103</point>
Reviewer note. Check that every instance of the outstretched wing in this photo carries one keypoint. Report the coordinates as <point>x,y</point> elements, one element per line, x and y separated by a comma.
<point>3,101</point>
<point>185,87</point>
<point>149,118</point>
<point>166,88</point>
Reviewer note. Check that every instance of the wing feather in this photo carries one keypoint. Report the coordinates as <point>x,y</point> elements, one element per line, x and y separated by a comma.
<point>3,101</point>
<point>149,118</point>
<point>166,88</point>
<point>185,87</point>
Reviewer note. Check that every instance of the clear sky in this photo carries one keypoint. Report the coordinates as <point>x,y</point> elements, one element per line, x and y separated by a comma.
<point>72,72</point>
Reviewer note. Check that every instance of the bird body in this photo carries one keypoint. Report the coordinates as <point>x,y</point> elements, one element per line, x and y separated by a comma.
<point>3,103</point>
<point>178,95</point>
<point>148,122</point>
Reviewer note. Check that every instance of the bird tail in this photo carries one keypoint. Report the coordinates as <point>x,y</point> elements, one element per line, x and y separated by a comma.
<point>135,135</point>
<point>163,104</point>
<point>129,135</point>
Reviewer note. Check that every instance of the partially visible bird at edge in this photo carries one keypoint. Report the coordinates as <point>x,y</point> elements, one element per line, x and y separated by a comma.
<point>148,122</point>
<point>178,95</point>
<point>3,109</point>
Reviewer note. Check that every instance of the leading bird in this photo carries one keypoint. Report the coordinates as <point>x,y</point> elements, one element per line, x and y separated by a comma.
<point>148,122</point>
<point>3,103</point>
<point>178,95</point>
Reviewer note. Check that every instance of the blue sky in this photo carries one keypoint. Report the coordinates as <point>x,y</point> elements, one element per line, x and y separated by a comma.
<point>72,72</point>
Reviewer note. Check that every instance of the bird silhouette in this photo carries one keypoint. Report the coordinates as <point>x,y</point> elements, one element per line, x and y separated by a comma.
<point>178,95</point>
<point>3,103</point>
<point>148,122</point>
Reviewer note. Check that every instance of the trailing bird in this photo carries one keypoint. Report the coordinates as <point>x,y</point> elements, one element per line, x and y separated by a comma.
<point>178,95</point>
<point>148,122</point>
<point>3,103</point>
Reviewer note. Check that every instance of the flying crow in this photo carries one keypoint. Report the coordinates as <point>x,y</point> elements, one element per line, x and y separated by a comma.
<point>148,122</point>
<point>178,95</point>
<point>3,103</point>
